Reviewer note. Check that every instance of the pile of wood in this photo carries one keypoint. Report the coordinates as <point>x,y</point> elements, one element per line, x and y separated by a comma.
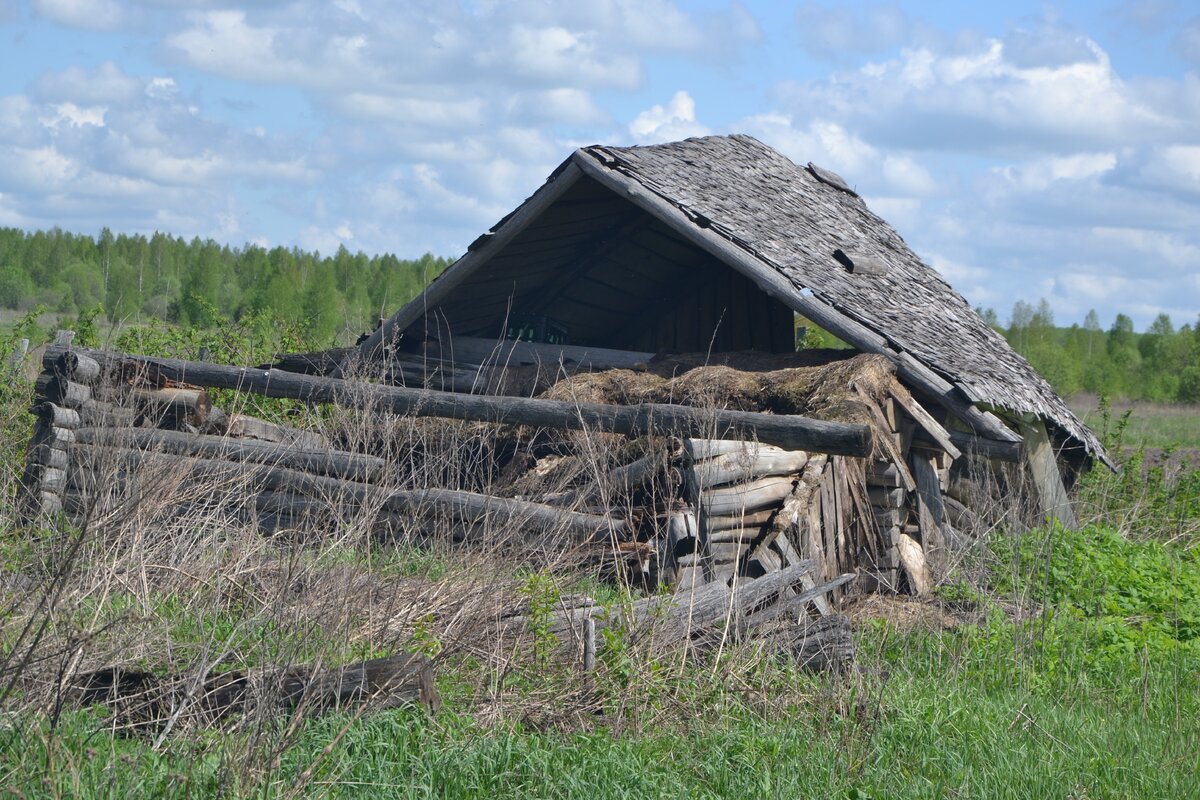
<point>730,481</point>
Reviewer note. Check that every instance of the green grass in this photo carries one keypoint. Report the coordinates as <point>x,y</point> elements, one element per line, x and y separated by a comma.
<point>932,728</point>
<point>1153,425</point>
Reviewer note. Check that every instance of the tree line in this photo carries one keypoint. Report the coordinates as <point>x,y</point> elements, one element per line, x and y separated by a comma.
<point>329,298</point>
<point>1160,364</point>
<point>202,283</point>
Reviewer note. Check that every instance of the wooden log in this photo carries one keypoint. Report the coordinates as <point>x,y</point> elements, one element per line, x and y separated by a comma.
<point>57,438</point>
<point>884,473</point>
<point>467,506</point>
<point>49,503</point>
<point>963,518</point>
<point>931,513</point>
<point>48,456</point>
<point>1001,450</point>
<point>747,497</point>
<point>71,364</point>
<point>61,391</point>
<point>886,498</point>
<point>931,427</point>
<point>1047,480</point>
<point>173,404</point>
<point>741,536</point>
<point>813,644</point>
<point>101,414</point>
<point>789,432</point>
<point>755,519</point>
<point>742,467</point>
<point>912,559</point>
<point>625,480</point>
<point>246,427</point>
<point>333,463</point>
<point>141,700</point>
<point>56,416</point>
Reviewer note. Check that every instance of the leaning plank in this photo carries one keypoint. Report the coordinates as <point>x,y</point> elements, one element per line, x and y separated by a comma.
<point>789,432</point>
<point>333,463</point>
<point>927,423</point>
<point>913,560</point>
<point>467,506</point>
<point>1052,495</point>
<point>796,605</point>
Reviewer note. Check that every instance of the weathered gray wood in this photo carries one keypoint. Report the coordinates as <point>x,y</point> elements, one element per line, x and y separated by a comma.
<point>589,644</point>
<point>814,644</point>
<point>101,414</point>
<point>754,519</point>
<point>912,559</point>
<point>790,432</point>
<point>746,497</point>
<point>61,391</point>
<point>988,447</point>
<point>886,498</point>
<point>246,427</point>
<point>797,604</point>
<point>775,285</point>
<point>48,456</point>
<point>931,427</point>
<point>51,436</point>
<point>931,513</point>
<point>1052,495</point>
<point>72,365</point>
<point>504,232</point>
<point>624,480</point>
<point>743,467</point>
<point>467,506</point>
<point>56,416</point>
<point>141,700</point>
<point>513,353</point>
<point>333,463</point>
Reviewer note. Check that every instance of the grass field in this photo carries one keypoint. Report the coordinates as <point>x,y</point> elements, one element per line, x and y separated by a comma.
<point>1153,425</point>
<point>1050,663</point>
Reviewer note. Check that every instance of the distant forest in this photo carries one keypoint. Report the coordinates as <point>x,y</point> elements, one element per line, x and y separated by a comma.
<point>134,278</point>
<point>130,279</point>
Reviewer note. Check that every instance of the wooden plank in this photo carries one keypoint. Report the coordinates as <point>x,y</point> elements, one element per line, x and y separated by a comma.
<point>931,514</point>
<point>1052,495</point>
<point>927,423</point>
<point>912,559</point>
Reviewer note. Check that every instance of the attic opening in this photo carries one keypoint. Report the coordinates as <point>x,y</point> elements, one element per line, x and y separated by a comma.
<point>596,270</point>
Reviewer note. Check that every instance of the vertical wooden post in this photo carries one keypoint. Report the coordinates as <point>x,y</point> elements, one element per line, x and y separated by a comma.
<point>1047,481</point>
<point>589,644</point>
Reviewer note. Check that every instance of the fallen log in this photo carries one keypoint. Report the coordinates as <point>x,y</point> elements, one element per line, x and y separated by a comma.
<point>141,700</point>
<point>331,463</point>
<point>789,432</point>
<point>466,506</point>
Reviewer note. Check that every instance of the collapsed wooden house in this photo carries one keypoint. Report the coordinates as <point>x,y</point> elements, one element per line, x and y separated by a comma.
<point>646,293</point>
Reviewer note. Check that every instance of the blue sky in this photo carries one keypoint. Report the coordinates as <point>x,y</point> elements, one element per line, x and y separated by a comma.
<point>1025,150</point>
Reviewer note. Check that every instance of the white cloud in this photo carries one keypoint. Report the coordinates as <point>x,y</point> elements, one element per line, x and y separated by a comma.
<point>839,32</point>
<point>103,15</point>
<point>676,120</point>
<point>1040,173</point>
<point>1171,248</point>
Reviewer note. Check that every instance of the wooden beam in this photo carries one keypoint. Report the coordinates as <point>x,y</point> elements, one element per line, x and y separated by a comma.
<point>775,285</point>
<point>510,353</point>
<point>786,431</point>
<point>1039,455</point>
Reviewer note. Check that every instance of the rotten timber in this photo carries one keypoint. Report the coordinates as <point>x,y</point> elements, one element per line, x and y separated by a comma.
<point>788,432</point>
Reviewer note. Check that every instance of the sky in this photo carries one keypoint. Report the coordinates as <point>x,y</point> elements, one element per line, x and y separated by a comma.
<point>1024,150</point>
